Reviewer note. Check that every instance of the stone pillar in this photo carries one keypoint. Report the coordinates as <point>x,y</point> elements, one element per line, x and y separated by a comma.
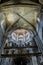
<point>30,43</point>
<point>10,51</point>
<point>11,61</point>
<point>41,59</point>
<point>10,44</point>
<point>34,60</point>
<point>2,52</point>
<point>2,61</point>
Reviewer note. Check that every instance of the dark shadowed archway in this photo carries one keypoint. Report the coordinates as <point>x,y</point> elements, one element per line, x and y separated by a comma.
<point>20,61</point>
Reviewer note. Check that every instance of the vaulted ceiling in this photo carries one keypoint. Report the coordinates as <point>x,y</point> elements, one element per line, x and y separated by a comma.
<point>29,13</point>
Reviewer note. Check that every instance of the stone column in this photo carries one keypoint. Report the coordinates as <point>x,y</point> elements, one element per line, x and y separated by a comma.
<point>10,51</point>
<point>34,60</point>
<point>10,44</point>
<point>2,52</point>
<point>41,59</point>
